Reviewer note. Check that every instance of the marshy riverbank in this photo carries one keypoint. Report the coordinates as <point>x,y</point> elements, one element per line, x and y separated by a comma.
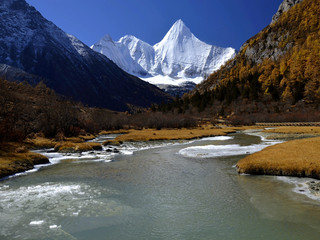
<point>167,189</point>
<point>16,157</point>
<point>285,159</point>
<point>298,158</point>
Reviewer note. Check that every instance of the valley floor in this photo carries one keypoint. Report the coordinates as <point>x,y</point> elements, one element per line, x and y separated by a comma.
<point>293,158</point>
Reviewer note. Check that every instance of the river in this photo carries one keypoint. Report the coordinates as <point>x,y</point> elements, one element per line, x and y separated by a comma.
<point>157,190</point>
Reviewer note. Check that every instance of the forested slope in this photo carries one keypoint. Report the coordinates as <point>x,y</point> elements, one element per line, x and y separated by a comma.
<point>276,71</point>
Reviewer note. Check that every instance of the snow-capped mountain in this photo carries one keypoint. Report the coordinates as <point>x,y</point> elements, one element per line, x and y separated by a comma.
<point>119,53</point>
<point>38,47</point>
<point>178,58</point>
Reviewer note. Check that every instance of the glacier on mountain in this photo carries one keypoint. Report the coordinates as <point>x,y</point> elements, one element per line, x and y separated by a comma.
<point>178,58</point>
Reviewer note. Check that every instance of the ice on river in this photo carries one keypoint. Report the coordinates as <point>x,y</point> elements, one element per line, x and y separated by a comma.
<point>211,151</point>
<point>40,209</point>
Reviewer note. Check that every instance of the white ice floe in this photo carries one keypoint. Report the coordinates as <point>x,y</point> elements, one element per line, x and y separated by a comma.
<point>54,226</point>
<point>217,138</point>
<point>36,223</point>
<point>211,151</point>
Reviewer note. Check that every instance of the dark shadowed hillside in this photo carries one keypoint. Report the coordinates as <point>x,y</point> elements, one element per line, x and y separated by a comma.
<point>27,110</point>
<point>35,45</point>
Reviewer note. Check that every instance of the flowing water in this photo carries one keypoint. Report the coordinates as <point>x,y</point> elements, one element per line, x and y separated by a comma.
<point>157,190</point>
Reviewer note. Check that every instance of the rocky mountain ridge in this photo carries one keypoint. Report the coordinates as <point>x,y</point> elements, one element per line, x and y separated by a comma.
<point>256,51</point>
<point>37,46</point>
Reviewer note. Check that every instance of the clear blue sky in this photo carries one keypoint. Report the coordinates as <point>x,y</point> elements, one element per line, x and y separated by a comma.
<point>225,23</point>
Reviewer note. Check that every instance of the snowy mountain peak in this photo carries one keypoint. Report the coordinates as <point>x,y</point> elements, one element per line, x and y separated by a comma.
<point>128,38</point>
<point>178,32</point>
<point>179,29</point>
<point>180,26</point>
<point>107,38</point>
<point>178,58</point>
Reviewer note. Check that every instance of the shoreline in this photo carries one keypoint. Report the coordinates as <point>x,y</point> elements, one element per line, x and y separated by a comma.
<point>295,158</point>
<point>16,157</point>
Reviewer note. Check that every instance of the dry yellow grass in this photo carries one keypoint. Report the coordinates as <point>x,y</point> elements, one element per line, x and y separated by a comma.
<point>72,139</point>
<point>242,128</point>
<point>173,134</point>
<point>77,147</point>
<point>40,142</point>
<point>295,130</point>
<point>299,158</point>
<point>87,137</point>
<point>121,131</point>
<point>15,158</point>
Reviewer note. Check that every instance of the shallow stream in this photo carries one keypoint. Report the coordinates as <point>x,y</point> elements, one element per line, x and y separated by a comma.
<point>158,190</point>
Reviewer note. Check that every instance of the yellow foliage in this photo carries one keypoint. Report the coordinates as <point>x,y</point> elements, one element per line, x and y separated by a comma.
<point>296,74</point>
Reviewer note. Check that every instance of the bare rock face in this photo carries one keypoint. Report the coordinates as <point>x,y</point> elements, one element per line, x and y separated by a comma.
<point>268,46</point>
<point>284,6</point>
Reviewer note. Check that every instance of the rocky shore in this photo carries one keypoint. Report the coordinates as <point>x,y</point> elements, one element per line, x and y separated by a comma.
<point>314,187</point>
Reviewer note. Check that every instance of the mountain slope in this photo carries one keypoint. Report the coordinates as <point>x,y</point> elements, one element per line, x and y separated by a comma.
<point>279,68</point>
<point>31,43</point>
<point>178,58</point>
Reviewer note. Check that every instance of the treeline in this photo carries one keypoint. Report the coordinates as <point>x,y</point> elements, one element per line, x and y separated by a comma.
<point>25,110</point>
<point>251,119</point>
